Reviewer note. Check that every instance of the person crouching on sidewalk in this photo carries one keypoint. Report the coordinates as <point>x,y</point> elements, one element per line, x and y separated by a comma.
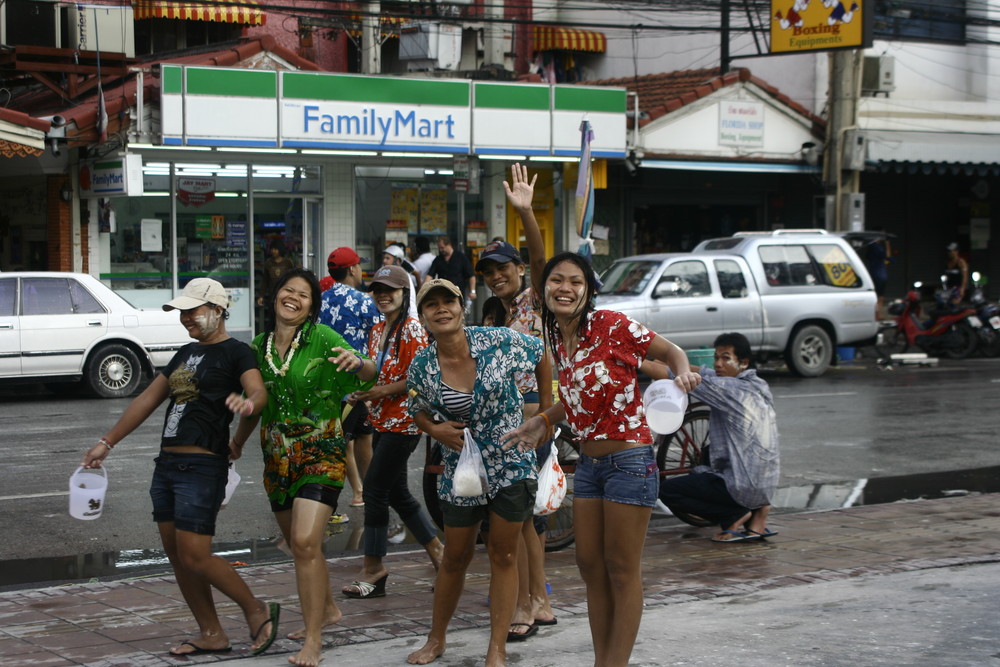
<point>734,485</point>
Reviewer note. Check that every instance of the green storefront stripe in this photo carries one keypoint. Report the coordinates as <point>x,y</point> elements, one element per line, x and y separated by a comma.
<point>172,79</point>
<point>373,90</point>
<point>232,82</point>
<point>512,96</point>
<point>589,98</point>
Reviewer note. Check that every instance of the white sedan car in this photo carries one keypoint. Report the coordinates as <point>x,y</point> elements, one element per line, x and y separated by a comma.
<point>57,327</point>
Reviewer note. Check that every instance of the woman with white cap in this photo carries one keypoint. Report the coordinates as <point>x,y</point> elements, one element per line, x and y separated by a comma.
<point>393,343</point>
<point>206,382</point>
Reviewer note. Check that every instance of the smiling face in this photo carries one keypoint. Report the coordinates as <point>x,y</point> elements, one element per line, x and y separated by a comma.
<point>202,322</point>
<point>503,279</point>
<point>566,290</point>
<point>727,364</point>
<point>293,302</point>
<point>441,312</point>
<point>388,300</point>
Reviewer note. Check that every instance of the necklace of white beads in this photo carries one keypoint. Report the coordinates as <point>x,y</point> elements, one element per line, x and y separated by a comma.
<point>272,351</point>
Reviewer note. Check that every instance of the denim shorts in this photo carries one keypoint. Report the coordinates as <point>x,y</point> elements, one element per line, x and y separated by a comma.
<point>629,476</point>
<point>188,489</point>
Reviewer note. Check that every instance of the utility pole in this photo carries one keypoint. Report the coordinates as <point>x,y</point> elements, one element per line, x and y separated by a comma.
<point>724,45</point>
<point>371,39</point>
<point>845,149</point>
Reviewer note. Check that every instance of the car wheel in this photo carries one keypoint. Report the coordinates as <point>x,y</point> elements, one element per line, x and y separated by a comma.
<point>809,352</point>
<point>113,371</point>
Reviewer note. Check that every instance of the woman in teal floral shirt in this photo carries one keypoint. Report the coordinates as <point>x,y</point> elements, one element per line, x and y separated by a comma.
<point>466,375</point>
<point>308,368</point>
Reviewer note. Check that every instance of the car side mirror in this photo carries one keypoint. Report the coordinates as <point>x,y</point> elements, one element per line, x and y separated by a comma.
<point>666,288</point>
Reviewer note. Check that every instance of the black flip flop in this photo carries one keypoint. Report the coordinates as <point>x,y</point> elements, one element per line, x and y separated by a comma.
<point>521,636</point>
<point>274,613</point>
<point>198,650</point>
<point>553,621</point>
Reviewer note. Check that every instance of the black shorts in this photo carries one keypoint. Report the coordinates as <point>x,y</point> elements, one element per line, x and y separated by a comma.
<point>357,422</point>
<point>321,493</point>
<point>514,503</point>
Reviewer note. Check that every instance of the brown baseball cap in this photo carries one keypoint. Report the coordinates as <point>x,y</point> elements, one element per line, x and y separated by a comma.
<point>392,275</point>
<point>437,283</point>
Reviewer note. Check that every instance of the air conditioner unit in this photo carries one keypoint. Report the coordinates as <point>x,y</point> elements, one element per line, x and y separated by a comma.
<point>428,46</point>
<point>108,28</point>
<point>878,75</point>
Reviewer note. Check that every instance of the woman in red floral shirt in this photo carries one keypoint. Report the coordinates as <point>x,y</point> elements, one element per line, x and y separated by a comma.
<point>597,354</point>
<point>392,344</point>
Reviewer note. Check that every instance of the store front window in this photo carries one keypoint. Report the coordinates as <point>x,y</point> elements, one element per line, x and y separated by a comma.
<point>201,227</point>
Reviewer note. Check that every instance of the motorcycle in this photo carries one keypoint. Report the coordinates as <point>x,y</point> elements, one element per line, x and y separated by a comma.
<point>951,331</point>
<point>989,314</point>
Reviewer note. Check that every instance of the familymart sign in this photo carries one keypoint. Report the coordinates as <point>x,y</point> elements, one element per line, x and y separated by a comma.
<point>203,106</point>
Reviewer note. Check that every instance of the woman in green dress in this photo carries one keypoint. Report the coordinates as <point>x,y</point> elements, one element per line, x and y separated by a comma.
<point>308,369</point>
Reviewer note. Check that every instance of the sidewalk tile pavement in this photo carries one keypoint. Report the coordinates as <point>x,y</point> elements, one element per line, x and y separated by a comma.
<point>133,622</point>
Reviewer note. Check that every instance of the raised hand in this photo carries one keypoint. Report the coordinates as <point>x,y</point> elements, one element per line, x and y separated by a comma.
<point>519,191</point>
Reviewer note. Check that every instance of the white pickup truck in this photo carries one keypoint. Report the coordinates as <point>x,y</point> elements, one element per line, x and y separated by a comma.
<point>796,293</point>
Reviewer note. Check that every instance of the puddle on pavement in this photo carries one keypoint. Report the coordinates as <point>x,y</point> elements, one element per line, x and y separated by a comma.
<point>111,565</point>
<point>346,538</point>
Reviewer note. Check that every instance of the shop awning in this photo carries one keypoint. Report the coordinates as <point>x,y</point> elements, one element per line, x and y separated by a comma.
<point>935,150</point>
<point>242,11</point>
<point>553,38</point>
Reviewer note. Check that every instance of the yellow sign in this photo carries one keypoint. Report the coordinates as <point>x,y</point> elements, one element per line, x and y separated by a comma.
<point>816,25</point>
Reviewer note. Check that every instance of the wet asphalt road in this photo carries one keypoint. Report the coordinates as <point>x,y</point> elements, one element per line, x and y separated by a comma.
<point>855,423</point>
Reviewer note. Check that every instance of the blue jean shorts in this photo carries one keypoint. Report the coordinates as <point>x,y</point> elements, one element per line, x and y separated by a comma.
<point>629,476</point>
<point>188,489</point>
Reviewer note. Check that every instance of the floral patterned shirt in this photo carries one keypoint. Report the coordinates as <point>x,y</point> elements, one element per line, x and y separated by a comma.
<point>599,387</point>
<point>389,414</point>
<point>496,404</point>
<point>349,312</point>
<point>525,316</point>
<point>300,432</point>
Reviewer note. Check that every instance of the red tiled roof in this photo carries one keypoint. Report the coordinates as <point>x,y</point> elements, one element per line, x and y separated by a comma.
<point>23,119</point>
<point>659,94</point>
<point>81,119</point>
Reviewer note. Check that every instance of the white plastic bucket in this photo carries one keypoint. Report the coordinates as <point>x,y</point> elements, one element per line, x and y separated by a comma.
<point>231,484</point>
<point>87,487</point>
<point>665,405</point>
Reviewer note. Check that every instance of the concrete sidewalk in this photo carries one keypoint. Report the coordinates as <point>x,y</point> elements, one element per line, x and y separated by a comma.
<point>868,585</point>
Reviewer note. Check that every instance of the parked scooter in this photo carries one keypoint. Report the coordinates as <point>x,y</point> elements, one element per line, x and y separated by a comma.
<point>951,332</point>
<point>989,314</point>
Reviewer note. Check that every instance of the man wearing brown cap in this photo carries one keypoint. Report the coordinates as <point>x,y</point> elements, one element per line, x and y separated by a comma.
<point>351,313</point>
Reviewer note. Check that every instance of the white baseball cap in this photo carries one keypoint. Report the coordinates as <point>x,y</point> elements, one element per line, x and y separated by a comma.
<point>198,292</point>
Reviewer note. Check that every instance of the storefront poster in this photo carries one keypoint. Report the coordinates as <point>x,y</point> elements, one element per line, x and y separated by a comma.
<point>403,205</point>
<point>798,25</point>
<point>152,235</point>
<point>434,209</point>
<point>203,226</point>
<point>236,233</point>
<point>195,191</point>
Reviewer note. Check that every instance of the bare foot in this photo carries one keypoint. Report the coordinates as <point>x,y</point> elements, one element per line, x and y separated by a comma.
<point>428,653</point>
<point>309,656</point>
<point>332,617</point>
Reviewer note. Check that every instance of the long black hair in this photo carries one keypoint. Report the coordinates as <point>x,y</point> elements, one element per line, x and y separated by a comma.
<point>394,335</point>
<point>550,326</point>
<point>315,293</point>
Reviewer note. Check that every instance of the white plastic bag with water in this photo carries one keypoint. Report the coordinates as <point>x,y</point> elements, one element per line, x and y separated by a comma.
<point>470,473</point>
<point>551,483</point>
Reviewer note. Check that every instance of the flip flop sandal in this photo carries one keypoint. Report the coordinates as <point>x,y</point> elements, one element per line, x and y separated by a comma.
<point>274,613</point>
<point>737,537</point>
<point>198,650</point>
<point>521,636</point>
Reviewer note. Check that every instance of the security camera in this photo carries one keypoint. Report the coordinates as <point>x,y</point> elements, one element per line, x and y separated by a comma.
<point>810,154</point>
<point>54,147</point>
<point>631,167</point>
